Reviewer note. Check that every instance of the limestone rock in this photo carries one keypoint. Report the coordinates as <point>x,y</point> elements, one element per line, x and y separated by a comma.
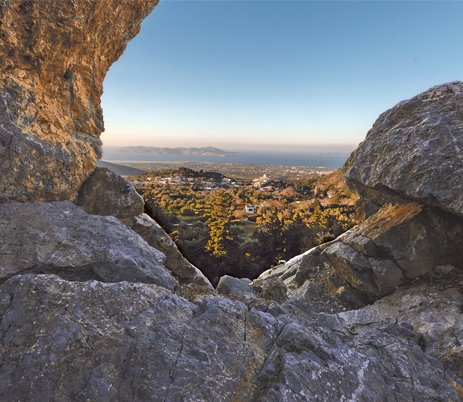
<point>106,193</point>
<point>307,292</point>
<point>413,151</point>
<point>60,238</point>
<point>271,289</point>
<point>55,55</point>
<point>193,283</point>
<point>435,314</point>
<point>399,242</point>
<point>231,286</point>
<point>126,341</point>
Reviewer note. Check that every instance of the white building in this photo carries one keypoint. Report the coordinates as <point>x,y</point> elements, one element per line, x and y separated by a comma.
<point>250,209</point>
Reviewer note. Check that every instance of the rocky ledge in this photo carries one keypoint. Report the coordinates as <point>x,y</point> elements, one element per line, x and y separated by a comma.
<point>98,304</point>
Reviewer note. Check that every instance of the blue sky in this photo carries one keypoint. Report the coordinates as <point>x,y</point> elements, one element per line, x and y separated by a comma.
<point>286,75</point>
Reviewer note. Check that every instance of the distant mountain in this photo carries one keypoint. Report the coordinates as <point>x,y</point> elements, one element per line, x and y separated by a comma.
<point>206,151</point>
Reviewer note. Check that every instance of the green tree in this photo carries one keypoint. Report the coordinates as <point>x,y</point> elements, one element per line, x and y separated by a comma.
<point>219,224</point>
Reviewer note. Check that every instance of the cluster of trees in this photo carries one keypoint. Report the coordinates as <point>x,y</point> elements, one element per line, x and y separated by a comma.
<point>181,171</point>
<point>215,234</point>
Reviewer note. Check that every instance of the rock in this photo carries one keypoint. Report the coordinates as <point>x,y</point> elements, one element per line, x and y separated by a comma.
<point>349,298</point>
<point>311,361</point>
<point>193,283</point>
<point>300,268</point>
<point>396,244</point>
<point>435,315</point>
<point>307,292</point>
<point>333,284</point>
<point>444,269</point>
<point>272,289</point>
<point>54,58</point>
<point>60,238</point>
<point>276,309</point>
<point>106,193</point>
<point>128,341</point>
<point>230,286</point>
<point>124,341</point>
<point>103,323</point>
<point>413,151</point>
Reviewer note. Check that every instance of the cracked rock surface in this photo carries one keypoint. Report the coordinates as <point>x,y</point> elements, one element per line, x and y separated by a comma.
<point>106,193</point>
<point>414,151</point>
<point>61,238</point>
<point>398,243</point>
<point>94,341</point>
<point>91,310</point>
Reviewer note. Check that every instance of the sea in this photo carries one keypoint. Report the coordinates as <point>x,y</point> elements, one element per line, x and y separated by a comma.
<point>276,158</point>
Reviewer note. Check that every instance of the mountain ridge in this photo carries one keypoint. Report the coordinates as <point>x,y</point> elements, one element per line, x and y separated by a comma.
<point>206,151</point>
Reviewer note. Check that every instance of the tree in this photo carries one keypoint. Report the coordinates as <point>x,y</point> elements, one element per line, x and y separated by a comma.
<point>219,224</point>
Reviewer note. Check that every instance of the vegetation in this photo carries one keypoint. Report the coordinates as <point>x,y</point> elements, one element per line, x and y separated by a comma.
<point>218,236</point>
<point>69,74</point>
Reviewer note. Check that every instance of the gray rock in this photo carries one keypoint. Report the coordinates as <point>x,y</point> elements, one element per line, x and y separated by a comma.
<point>60,238</point>
<point>298,269</point>
<point>347,297</point>
<point>106,193</point>
<point>193,283</point>
<point>433,313</point>
<point>413,151</point>
<point>65,341</point>
<point>311,361</point>
<point>399,242</point>
<point>231,286</point>
<point>444,269</point>
<point>306,293</point>
<point>272,289</point>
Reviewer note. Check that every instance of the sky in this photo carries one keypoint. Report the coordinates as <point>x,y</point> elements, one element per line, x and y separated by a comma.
<point>276,75</point>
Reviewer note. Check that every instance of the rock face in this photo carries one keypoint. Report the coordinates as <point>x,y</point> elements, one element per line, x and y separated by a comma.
<point>136,342</point>
<point>234,287</point>
<point>433,312</point>
<point>60,238</point>
<point>55,55</point>
<point>397,243</point>
<point>106,193</point>
<point>413,151</point>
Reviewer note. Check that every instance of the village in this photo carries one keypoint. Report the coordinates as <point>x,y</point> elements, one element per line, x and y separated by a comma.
<point>263,183</point>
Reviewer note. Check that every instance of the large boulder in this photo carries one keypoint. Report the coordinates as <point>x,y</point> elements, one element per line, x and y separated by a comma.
<point>398,243</point>
<point>235,287</point>
<point>106,193</point>
<point>432,312</point>
<point>89,341</point>
<point>60,238</point>
<point>54,56</point>
<point>413,151</point>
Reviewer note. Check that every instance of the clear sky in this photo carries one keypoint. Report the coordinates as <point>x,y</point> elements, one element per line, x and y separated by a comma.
<point>287,75</point>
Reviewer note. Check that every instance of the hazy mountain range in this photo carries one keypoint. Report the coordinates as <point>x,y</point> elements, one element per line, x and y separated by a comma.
<point>207,151</point>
